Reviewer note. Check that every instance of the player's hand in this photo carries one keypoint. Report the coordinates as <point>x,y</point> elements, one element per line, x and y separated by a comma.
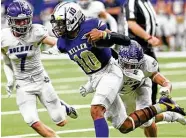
<point>164,91</point>
<point>94,35</point>
<point>9,88</point>
<point>154,41</point>
<point>86,89</point>
<point>52,51</point>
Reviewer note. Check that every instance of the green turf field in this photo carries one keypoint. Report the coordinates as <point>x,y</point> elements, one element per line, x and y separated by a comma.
<point>66,78</point>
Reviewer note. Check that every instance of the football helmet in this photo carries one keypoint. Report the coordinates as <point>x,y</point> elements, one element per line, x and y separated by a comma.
<point>19,16</point>
<point>132,56</point>
<point>66,18</point>
<point>84,3</point>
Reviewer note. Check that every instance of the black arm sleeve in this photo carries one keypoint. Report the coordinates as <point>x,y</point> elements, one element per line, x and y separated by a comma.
<point>113,38</point>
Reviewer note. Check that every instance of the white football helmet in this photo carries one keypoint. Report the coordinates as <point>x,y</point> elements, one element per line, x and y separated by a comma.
<point>66,18</point>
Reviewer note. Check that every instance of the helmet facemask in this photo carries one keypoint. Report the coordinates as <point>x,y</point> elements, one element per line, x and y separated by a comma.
<point>20,25</point>
<point>130,65</point>
<point>58,27</point>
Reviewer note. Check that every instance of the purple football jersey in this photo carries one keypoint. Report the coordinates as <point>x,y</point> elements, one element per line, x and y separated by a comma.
<point>91,59</point>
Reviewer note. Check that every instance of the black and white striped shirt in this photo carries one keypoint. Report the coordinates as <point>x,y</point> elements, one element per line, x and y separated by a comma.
<point>143,13</point>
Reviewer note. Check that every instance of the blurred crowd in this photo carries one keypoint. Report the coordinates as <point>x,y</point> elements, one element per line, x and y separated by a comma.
<point>171,16</point>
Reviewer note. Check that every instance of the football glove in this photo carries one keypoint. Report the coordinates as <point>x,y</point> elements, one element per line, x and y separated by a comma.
<point>164,91</point>
<point>9,88</point>
<point>86,89</point>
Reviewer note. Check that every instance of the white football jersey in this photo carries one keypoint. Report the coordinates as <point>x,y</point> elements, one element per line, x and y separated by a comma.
<point>94,9</point>
<point>134,78</point>
<point>24,51</point>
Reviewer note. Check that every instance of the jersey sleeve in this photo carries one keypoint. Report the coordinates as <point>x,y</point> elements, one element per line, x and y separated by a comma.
<point>3,38</point>
<point>151,66</point>
<point>61,45</point>
<point>101,25</point>
<point>4,41</point>
<point>39,32</point>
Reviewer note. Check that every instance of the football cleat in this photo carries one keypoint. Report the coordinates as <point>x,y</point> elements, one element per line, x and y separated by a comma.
<point>171,105</point>
<point>174,117</point>
<point>71,111</point>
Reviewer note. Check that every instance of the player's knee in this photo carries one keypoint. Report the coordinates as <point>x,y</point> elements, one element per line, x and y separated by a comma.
<point>127,126</point>
<point>58,116</point>
<point>36,125</point>
<point>63,123</point>
<point>30,120</point>
<point>97,111</point>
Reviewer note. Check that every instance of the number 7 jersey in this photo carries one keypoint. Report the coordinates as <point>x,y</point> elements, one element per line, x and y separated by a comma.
<point>24,51</point>
<point>90,59</point>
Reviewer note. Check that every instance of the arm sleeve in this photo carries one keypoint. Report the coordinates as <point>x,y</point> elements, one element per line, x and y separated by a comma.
<point>114,38</point>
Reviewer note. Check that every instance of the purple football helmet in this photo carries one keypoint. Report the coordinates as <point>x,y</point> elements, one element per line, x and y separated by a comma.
<point>19,15</point>
<point>132,56</point>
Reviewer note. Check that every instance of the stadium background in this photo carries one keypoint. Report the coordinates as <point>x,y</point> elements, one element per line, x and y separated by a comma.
<point>66,77</point>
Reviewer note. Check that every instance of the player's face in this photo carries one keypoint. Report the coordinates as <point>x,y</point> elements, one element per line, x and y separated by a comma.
<point>59,28</point>
<point>21,22</point>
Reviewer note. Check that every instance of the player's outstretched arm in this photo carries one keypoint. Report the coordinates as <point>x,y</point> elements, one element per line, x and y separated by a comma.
<point>8,73</point>
<point>164,82</point>
<point>107,38</point>
<point>51,41</point>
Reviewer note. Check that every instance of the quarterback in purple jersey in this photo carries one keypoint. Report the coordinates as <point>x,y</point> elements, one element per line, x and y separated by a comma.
<point>95,59</point>
<point>71,28</point>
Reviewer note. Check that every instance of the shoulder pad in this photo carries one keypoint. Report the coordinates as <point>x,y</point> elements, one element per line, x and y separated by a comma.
<point>135,74</point>
<point>39,32</point>
<point>5,37</point>
<point>151,65</point>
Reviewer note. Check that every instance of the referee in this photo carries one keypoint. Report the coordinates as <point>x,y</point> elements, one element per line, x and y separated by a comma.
<point>141,19</point>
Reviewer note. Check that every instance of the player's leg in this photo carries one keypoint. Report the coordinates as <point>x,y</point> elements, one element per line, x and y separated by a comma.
<point>170,117</point>
<point>143,99</point>
<point>141,116</point>
<point>116,113</point>
<point>106,92</point>
<point>26,100</point>
<point>51,101</point>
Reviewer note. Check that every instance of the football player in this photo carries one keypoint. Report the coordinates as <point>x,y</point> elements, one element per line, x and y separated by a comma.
<point>138,69</point>
<point>96,9</point>
<point>95,59</point>
<point>20,46</point>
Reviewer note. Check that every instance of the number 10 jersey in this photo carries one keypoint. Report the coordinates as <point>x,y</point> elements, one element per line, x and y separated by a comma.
<point>91,59</point>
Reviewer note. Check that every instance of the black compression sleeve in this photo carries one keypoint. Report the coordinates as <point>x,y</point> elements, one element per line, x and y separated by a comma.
<point>114,38</point>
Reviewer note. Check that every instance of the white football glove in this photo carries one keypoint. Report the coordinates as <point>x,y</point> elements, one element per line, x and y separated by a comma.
<point>86,89</point>
<point>164,91</point>
<point>9,88</point>
<point>52,51</point>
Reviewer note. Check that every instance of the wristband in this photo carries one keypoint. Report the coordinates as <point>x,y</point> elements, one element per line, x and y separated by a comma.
<point>104,34</point>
